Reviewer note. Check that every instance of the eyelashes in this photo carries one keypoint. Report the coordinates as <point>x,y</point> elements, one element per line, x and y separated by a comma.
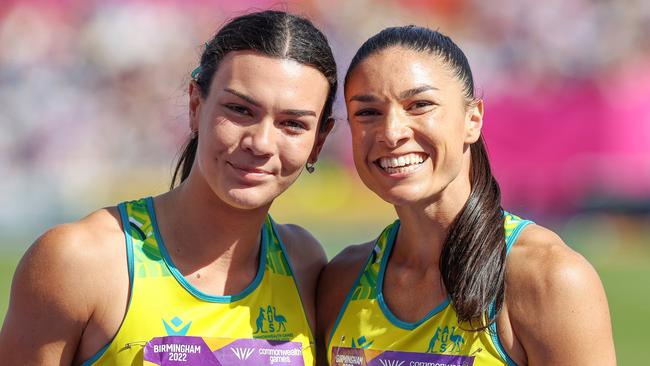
<point>367,112</point>
<point>417,107</point>
<point>239,109</point>
<point>292,126</point>
<point>295,126</point>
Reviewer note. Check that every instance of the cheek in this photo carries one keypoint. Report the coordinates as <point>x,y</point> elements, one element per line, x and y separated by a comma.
<point>218,137</point>
<point>442,129</point>
<point>225,132</point>
<point>295,152</point>
<point>360,140</point>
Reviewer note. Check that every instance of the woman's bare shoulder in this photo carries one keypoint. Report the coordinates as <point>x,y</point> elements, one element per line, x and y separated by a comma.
<point>56,287</point>
<point>336,281</point>
<point>556,302</point>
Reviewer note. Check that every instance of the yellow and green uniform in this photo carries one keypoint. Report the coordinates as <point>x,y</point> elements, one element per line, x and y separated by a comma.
<point>367,329</point>
<point>162,303</point>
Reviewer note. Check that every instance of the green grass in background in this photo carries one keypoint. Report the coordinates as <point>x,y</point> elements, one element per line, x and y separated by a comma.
<point>628,292</point>
<point>7,268</point>
<point>619,249</point>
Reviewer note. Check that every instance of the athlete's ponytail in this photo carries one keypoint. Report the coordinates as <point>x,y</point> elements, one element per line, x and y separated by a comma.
<point>473,256</point>
<point>271,33</point>
<point>472,262</point>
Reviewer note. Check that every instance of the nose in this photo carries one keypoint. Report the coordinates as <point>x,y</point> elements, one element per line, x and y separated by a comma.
<point>259,138</point>
<point>394,130</point>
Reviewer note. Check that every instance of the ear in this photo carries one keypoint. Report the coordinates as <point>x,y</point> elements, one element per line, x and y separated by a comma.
<point>474,122</point>
<point>195,105</point>
<point>323,131</point>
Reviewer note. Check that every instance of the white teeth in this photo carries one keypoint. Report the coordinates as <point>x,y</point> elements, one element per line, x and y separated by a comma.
<point>405,161</point>
<point>402,169</point>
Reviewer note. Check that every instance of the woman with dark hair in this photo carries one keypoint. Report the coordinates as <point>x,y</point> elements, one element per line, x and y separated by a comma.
<point>206,277</point>
<point>455,280</point>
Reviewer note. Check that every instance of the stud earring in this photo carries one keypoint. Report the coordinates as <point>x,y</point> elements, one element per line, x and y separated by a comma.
<point>310,167</point>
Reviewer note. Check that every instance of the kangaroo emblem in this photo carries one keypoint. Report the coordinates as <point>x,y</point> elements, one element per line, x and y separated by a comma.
<point>260,322</point>
<point>432,342</point>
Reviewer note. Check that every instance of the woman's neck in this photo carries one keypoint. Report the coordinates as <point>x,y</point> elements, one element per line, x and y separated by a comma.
<point>424,225</point>
<point>200,229</point>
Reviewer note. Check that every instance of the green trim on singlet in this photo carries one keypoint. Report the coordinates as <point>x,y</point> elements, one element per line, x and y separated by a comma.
<point>126,228</point>
<point>188,286</point>
<point>511,238</point>
<point>371,258</point>
<point>392,235</point>
<point>129,245</point>
<point>277,262</point>
<point>291,271</point>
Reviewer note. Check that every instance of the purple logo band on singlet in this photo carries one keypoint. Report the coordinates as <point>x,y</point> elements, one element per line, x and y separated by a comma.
<point>179,350</point>
<point>345,356</point>
<point>261,352</point>
<point>190,351</point>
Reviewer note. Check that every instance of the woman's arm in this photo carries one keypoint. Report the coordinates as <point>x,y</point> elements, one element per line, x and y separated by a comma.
<point>556,303</point>
<point>307,259</point>
<point>49,305</point>
<point>335,282</point>
<point>64,282</point>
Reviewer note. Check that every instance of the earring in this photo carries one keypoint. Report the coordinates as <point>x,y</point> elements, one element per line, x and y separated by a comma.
<point>310,167</point>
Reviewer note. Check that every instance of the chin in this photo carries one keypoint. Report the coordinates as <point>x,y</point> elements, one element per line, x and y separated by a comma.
<point>400,200</point>
<point>403,195</point>
<point>246,199</point>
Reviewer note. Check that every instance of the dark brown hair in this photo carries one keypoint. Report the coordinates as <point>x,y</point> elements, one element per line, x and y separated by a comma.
<point>271,33</point>
<point>472,262</point>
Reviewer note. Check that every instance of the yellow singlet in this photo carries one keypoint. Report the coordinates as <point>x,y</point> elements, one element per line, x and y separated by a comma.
<point>366,332</point>
<point>263,324</point>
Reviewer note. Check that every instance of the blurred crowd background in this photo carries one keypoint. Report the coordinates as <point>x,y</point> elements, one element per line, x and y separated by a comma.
<point>93,111</point>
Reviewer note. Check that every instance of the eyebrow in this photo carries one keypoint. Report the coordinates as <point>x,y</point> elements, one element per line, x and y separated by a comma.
<point>243,96</point>
<point>415,91</point>
<point>367,98</point>
<point>290,112</point>
<point>298,112</point>
<point>364,98</point>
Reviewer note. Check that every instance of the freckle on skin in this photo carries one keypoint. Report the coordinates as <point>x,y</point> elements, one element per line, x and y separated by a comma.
<point>198,275</point>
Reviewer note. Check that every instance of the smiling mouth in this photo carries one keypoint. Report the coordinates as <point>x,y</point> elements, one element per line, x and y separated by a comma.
<point>250,170</point>
<point>401,164</point>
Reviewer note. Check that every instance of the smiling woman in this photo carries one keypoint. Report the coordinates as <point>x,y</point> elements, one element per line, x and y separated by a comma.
<point>154,280</point>
<point>456,280</point>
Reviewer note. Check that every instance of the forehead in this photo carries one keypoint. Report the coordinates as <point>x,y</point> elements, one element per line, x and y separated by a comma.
<point>396,69</point>
<point>270,78</point>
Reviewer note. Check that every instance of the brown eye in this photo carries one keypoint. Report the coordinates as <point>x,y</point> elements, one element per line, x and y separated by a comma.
<point>239,109</point>
<point>367,112</point>
<point>420,104</point>
<point>294,126</point>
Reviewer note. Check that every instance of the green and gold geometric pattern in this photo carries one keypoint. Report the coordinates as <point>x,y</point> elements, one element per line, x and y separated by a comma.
<point>275,259</point>
<point>147,259</point>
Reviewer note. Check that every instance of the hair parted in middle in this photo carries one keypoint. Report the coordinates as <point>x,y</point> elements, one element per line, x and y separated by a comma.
<point>271,33</point>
